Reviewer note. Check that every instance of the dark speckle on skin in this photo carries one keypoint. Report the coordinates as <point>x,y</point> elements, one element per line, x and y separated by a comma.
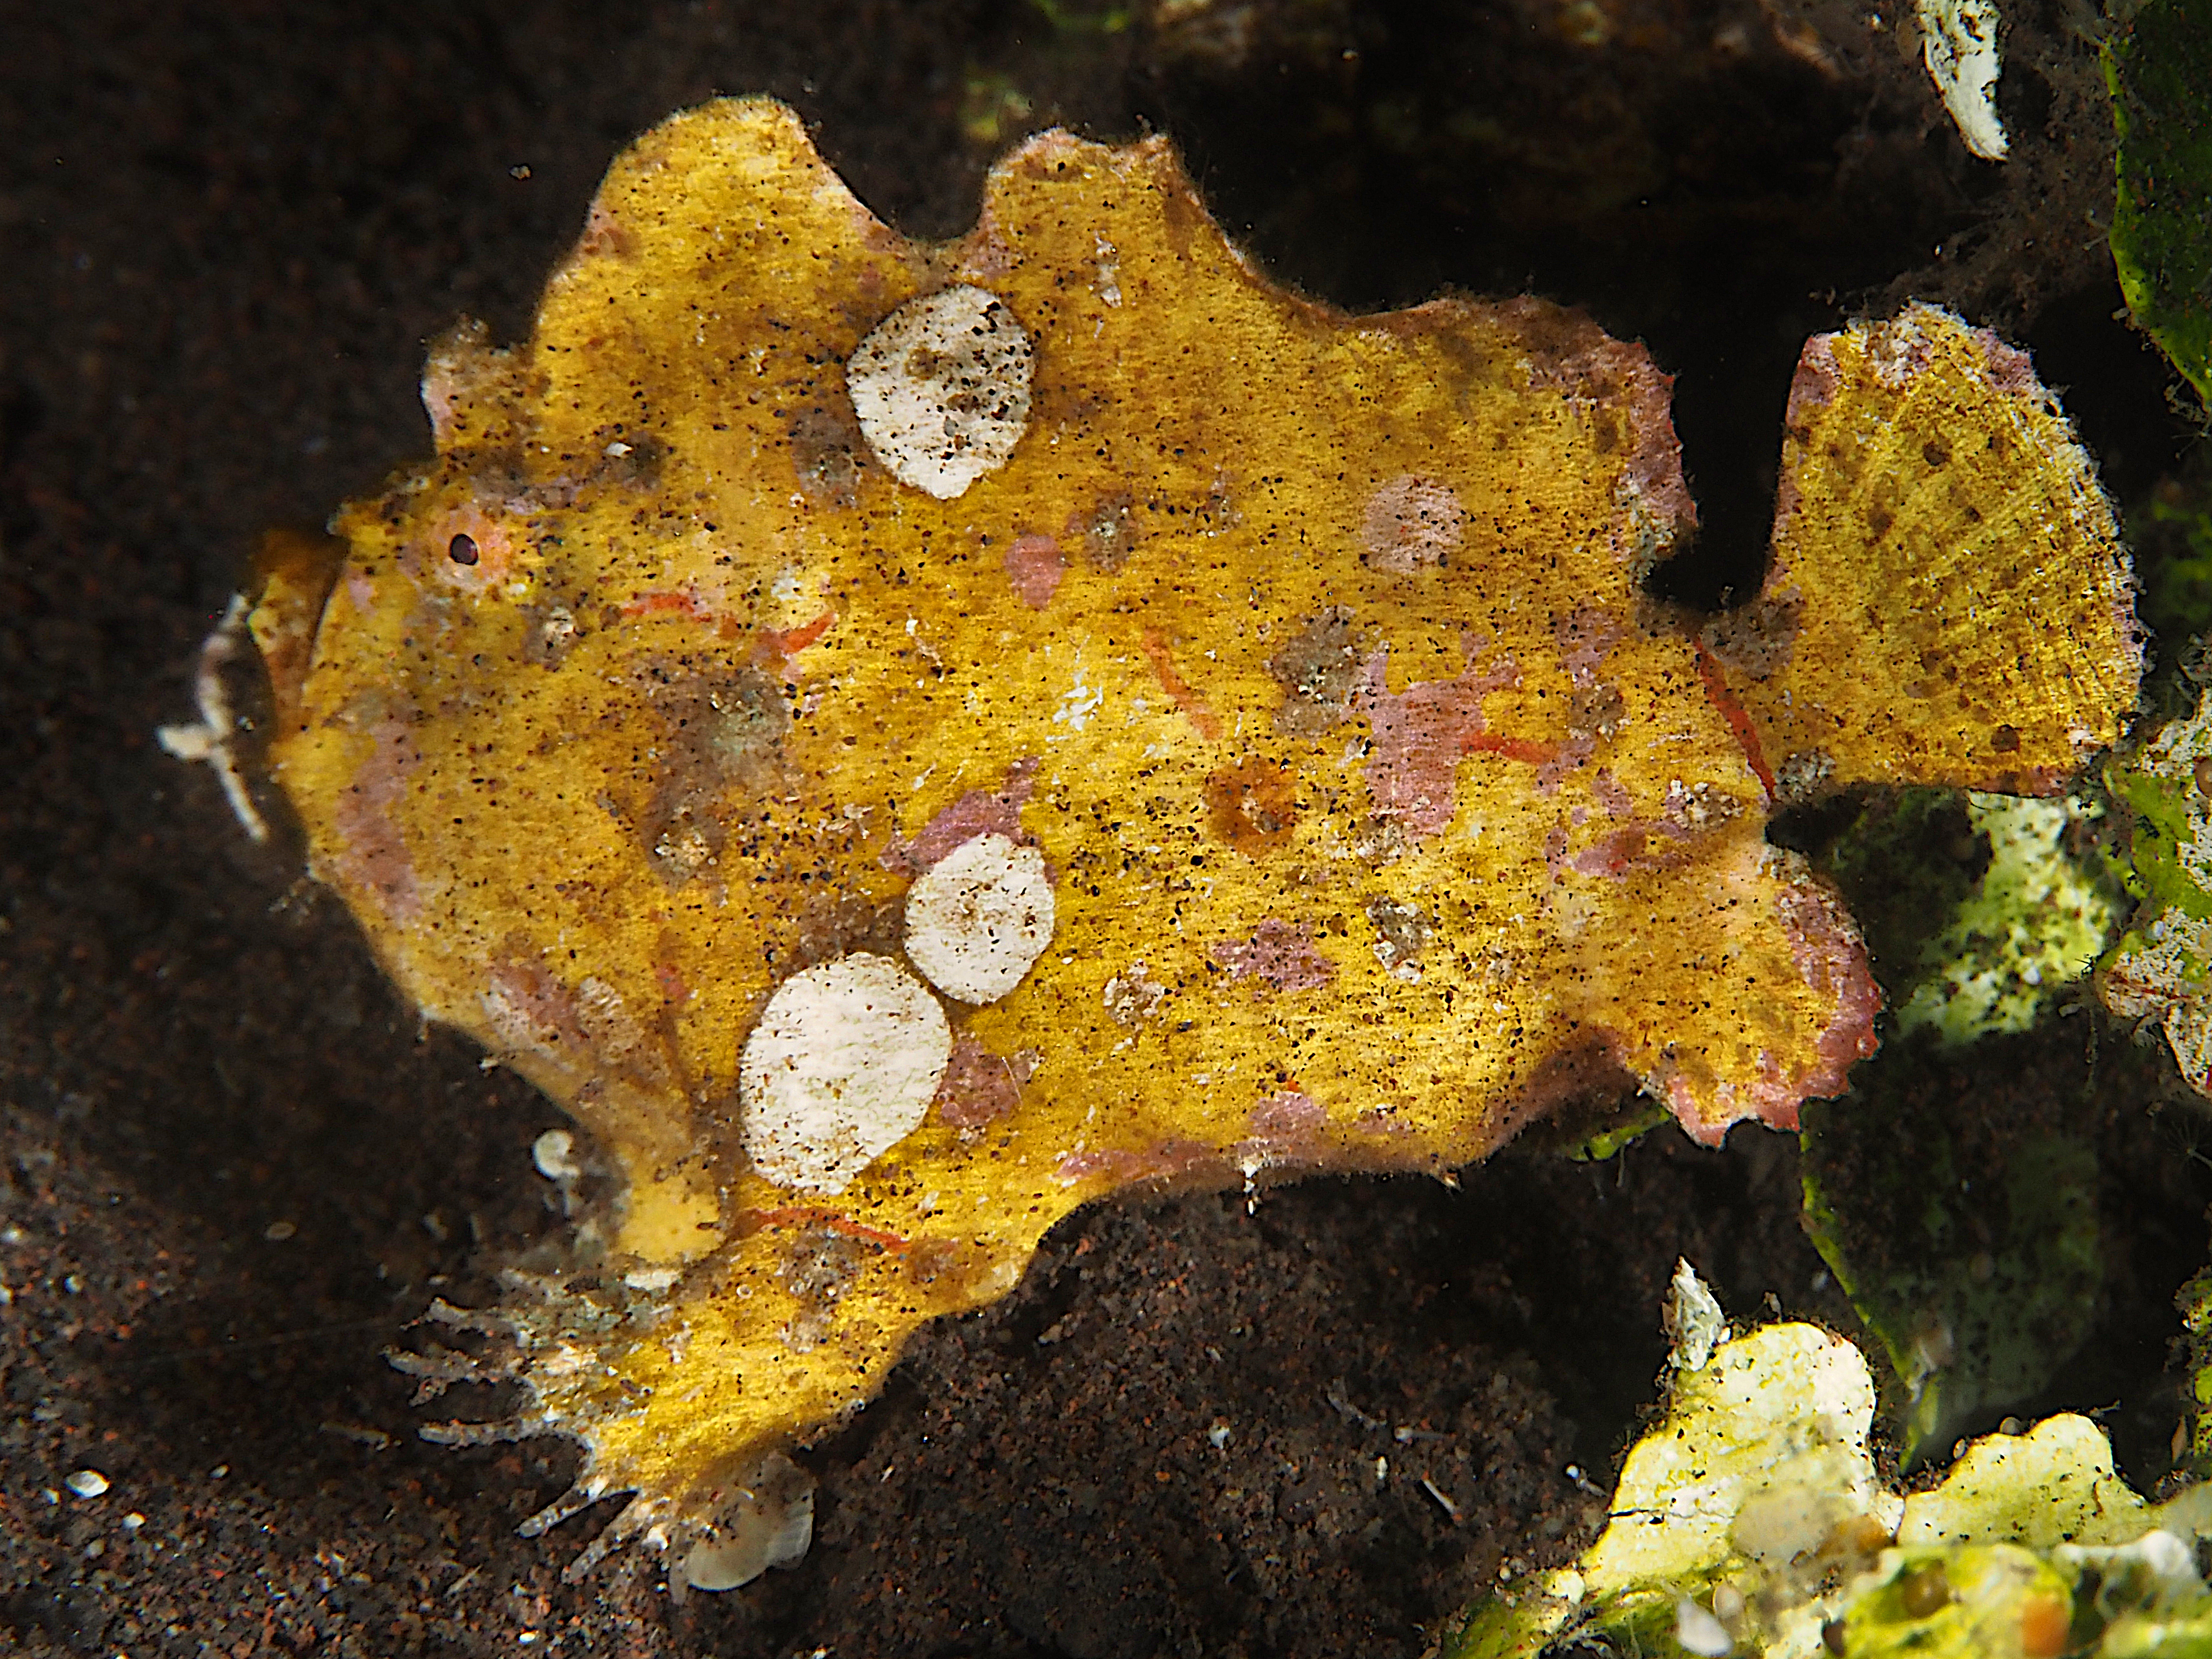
<point>1318,670</point>
<point>718,732</point>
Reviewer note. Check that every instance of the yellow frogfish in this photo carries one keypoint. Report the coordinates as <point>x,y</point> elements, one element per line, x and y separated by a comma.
<point>902,740</point>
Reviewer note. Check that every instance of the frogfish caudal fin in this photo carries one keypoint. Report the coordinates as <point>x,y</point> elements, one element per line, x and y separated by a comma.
<point>1947,601</point>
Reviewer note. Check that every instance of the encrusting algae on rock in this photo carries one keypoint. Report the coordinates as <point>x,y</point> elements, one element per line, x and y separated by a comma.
<point>1750,1519</point>
<point>903,741</point>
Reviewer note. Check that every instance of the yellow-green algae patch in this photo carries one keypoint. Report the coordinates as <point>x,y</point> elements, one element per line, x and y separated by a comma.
<point>1750,1520</point>
<point>2033,926</point>
<point>902,740</point>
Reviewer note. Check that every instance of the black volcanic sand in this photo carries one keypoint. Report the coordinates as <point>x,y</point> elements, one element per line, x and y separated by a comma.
<point>235,1169</point>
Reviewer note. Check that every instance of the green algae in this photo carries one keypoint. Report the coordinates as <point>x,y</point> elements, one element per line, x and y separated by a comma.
<point>1965,1236</point>
<point>1980,911</point>
<point>2034,925</point>
<point>2173,537</point>
<point>2158,65</point>
<point>1969,1245</point>
<point>2194,1302</point>
<point>2159,968</point>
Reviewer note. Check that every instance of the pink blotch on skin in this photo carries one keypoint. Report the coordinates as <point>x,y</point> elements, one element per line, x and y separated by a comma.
<point>1288,1128</point>
<point>531,1012</point>
<point>1568,756</point>
<point>1421,734</point>
<point>1832,960</point>
<point>1410,524</point>
<point>978,1087</point>
<point>1279,956</point>
<point>1586,639</point>
<point>1288,1112</point>
<point>1164,1162</point>
<point>2011,369</point>
<point>1035,566</point>
<point>1812,387</point>
<point>1615,853</point>
<point>372,851</point>
<point>1581,361</point>
<point>1611,796</point>
<point>978,813</point>
<point>989,256</point>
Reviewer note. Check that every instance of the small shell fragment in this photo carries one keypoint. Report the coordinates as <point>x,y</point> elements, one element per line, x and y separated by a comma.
<point>1959,43</point>
<point>87,1483</point>
<point>554,1153</point>
<point>1694,1319</point>
<point>774,1527</point>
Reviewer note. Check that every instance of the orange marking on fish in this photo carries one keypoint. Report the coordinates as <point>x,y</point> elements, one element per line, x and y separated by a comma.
<point>1186,695</point>
<point>790,642</point>
<point>660,602</point>
<point>807,1215</point>
<point>1527,751</point>
<point>1747,734</point>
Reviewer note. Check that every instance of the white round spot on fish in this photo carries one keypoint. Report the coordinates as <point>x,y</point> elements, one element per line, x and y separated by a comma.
<point>978,918</point>
<point>841,1068</point>
<point>942,389</point>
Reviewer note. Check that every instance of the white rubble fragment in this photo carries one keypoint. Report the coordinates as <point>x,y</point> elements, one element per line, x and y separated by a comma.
<point>87,1483</point>
<point>212,740</point>
<point>842,1067</point>
<point>1700,1633</point>
<point>1959,43</point>
<point>554,1152</point>
<point>2165,1562</point>
<point>773,1526</point>
<point>941,387</point>
<point>978,918</point>
<point>1694,1319</point>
